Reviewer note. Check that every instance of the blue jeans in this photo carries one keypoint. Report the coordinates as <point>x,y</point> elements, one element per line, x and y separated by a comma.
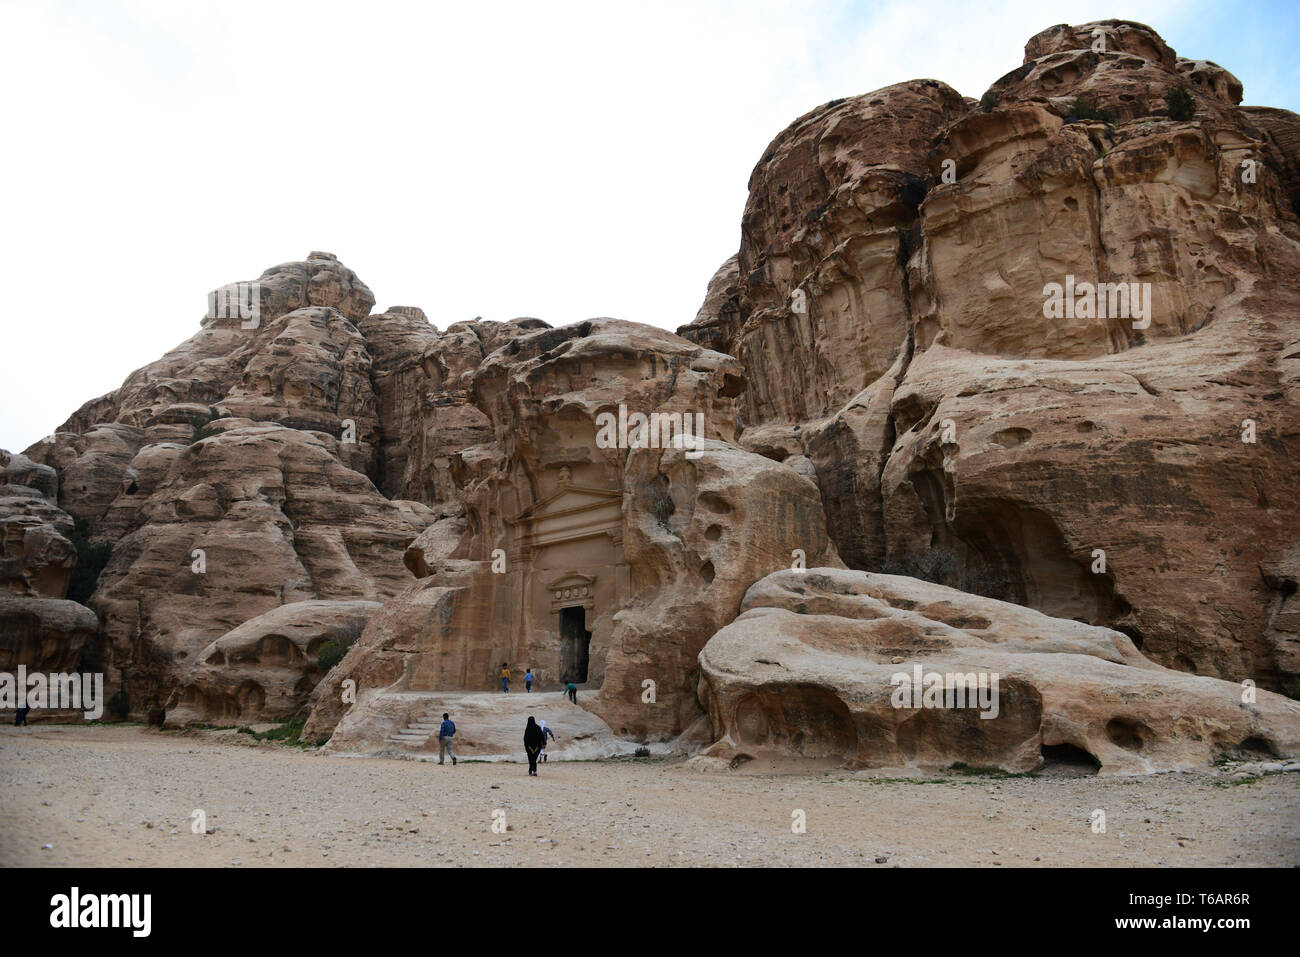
<point>505,684</point>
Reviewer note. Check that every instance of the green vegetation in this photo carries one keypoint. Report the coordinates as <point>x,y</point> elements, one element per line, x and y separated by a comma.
<point>1180,103</point>
<point>201,425</point>
<point>1084,109</point>
<point>988,101</point>
<point>642,752</point>
<point>332,652</point>
<point>288,732</point>
<point>91,559</point>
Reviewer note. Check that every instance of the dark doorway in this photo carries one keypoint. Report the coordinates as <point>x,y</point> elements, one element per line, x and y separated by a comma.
<point>575,642</point>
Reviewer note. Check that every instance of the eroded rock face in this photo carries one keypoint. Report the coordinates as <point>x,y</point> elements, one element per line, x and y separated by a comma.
<point>36,552</point>
<point>612,565</point>
<point>45,634</point>
<point>250,519</point>
<point>823,664</point>
<point>819,275</point>
<point>267,667</point>
<point>997,444</point>
<point>39,629</point>
<point>235,475</point>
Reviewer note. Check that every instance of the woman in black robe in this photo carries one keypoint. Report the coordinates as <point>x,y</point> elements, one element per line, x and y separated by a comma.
<point>533,741</point>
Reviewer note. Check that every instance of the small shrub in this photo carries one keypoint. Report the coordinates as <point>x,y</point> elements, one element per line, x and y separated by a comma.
<point>661,504</point>
<point>643,752</point>
<point>1089,110</point>
<point>287,732</point>
<point>201,428</point>
<point>989,101</point>
<point>332,652</point>
<point>1180,103</point>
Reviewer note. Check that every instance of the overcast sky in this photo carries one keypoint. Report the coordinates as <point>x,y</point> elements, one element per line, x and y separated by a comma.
<point>558,160</point>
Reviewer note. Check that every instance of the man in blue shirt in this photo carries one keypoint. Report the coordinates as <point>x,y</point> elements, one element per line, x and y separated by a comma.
<point>446,732</point>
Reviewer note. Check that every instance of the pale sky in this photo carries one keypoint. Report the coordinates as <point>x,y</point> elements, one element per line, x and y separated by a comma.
<point>558,160</point>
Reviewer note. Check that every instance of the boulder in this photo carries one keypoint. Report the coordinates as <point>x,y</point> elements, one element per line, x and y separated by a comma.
<point>886,671</point>
<point>266,668</point>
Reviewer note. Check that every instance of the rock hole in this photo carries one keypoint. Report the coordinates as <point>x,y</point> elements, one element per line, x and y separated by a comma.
<point>1128,734</point>
<point>715,503</point>
<point>713,533</point>
<point>1255,746</point>
<point>1068,759</point>
<point>1010,438</point>
<point>1072,204</point>
<point>707,572</point>
<point>1134,635</point>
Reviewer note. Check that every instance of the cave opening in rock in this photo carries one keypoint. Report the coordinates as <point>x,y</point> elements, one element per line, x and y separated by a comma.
<point>575,644</point>
<point>1068,759</point>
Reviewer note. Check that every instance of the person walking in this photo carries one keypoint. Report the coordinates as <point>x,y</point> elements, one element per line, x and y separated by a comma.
<point>528,682</point>
<point>533,741</point>
<point>20,715</point>
<point>505,676</point>
<point>446,731</point>
<point>572,691</point>
<point>546,733</point>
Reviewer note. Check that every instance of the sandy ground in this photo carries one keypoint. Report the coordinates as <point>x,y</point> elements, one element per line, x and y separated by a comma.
<point>123,796</point>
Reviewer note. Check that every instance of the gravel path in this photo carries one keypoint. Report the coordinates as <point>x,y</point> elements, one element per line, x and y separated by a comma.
<point>123,796</point>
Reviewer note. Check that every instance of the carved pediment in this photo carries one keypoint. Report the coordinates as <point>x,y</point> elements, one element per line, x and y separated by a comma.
<point>569,499</point>
<point>572,588</point>
<point>571,513</point>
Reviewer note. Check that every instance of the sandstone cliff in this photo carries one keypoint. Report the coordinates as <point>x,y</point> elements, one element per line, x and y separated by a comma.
<point>888,305</point>
<point>881,379</point>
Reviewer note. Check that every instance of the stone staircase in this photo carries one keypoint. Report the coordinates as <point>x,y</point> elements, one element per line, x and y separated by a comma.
<point>490,725</point>
<point>417,731</point>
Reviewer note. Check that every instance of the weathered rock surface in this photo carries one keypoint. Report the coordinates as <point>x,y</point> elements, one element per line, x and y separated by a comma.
<point>250,519</point>
<point>822,663</point>
<point>267,667</point>
<point>613,565</point>
<point>990,445</point>
<point>38,627</point>
<point>234,475</point>
<point>36,552</point>
<point>879,382</point>
<point>45,634</point>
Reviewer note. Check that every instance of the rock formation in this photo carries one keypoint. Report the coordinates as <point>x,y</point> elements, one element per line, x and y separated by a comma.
<point>39,628</point>
<point>888,303</point>
<point>613,564</point>
<point>829,663</point>
<point>266,668</point>
<point>1039,347</point>
<point>232,476</point>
